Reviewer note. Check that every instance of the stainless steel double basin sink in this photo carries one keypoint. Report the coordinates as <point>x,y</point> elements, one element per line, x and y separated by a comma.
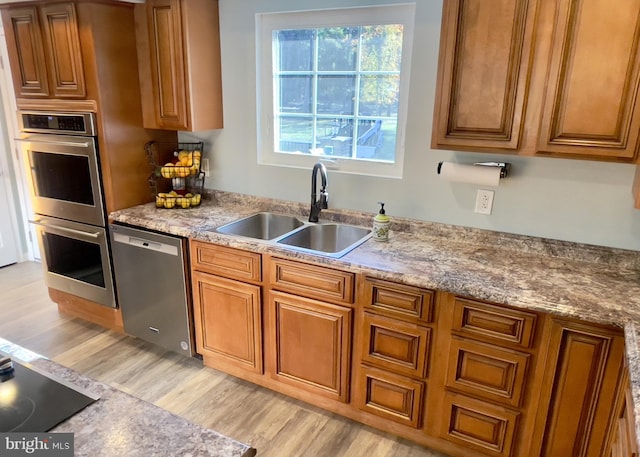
<point>328,239</point>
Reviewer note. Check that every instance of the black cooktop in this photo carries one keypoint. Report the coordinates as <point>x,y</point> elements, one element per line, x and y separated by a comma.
<point>33,402</point>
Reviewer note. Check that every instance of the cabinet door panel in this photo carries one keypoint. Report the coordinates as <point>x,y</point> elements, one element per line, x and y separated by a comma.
<point>60,31</point>
<point>311,344</point>
<point>312,281</point>
<point>26,52</point>
<point>227,262</point>
<point>390,396</point>
<point>483,73</point>
<point>589,363</point>
<point>487,371</point>
<point>397,346</point>
<point>228,317</point>
<point>178,43</point>
<point>399,300</point>
<point>167,63</point>
<point>494,322</point>
<point>590,106</point>
<point>479,425</point>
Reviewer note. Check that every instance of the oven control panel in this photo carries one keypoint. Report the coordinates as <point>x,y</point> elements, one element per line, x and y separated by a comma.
<point>49,122</point>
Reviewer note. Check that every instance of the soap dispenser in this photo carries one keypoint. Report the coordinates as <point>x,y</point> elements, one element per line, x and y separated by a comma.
<point>381,223</point>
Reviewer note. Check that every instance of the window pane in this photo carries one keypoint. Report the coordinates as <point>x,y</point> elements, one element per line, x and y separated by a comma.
<point>376,139</point>
<point>379,95</point>
<point>295,134</point>
<point>336,94</point>
<point>339,142</point>
<point>337,49</point>
<point>296,94</point>
<point>295,49</point>
<point>381,48</point>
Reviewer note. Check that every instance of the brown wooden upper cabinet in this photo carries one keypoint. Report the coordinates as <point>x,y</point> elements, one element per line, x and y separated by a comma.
<point>550,77</point>
<point>179,64</point>
<point>482,73</point>
<point>44,51</point>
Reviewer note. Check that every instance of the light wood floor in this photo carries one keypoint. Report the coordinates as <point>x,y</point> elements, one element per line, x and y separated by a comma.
<point>275,425</point>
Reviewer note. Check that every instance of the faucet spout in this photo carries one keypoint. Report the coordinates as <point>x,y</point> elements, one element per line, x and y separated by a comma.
<point>318,202</point>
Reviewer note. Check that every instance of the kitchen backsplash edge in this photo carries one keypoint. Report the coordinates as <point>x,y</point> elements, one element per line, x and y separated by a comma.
<point>620,258</point>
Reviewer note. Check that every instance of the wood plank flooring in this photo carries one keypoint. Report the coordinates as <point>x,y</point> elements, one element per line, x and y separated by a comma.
<point>275,425</point>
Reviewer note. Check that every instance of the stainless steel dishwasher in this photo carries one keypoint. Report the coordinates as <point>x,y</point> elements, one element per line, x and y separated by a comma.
<point>150,272</point>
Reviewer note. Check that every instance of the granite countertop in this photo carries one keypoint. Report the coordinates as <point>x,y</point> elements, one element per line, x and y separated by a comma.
<point>592,283</point>
<point>119,424</point>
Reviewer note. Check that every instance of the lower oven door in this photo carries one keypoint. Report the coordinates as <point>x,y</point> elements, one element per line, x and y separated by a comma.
<point>75,258</point>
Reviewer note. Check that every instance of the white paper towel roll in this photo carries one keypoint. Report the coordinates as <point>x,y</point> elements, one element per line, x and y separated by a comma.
<point>472,174</point>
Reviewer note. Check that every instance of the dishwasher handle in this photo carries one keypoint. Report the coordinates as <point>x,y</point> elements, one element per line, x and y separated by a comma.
<point>146,244</point>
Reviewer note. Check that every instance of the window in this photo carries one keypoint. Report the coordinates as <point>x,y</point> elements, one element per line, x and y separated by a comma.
<point>333,86</point>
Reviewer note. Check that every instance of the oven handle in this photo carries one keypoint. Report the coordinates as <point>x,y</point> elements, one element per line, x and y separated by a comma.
<point>79,144</point>
<point>94,235</point>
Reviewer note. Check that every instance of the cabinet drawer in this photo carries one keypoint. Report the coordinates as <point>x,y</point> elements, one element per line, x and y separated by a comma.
<point>312,281</point>
<point>229,262</point>
<point>494,322</point>
<point>395,345</point>
<point>487,371</point>
<point>391,396</point>
<point>473,423</point>
<point>398,300</point>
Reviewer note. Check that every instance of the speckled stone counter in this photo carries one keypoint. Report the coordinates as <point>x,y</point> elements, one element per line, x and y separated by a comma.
<point>592,283</point>
<point>119,424</point>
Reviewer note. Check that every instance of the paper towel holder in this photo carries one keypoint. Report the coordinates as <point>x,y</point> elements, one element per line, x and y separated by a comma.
<point>505,167</point>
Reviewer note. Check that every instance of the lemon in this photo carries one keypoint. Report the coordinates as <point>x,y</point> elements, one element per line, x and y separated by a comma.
<point>170,203</point>
<point>160,201</point>
<point>195,199</point>
<point>167,171</point>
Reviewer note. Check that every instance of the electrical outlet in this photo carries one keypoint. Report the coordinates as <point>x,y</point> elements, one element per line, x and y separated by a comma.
<point>205,166</point>
<point>484,201</point>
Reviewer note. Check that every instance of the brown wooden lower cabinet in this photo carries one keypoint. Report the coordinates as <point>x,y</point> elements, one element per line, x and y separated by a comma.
<point>395,345</point>
<point>309,344</point>
<point>479,425</point>
<point>623,440</point>
<point>487,371</point>
<point>494,323</point>
<point>394,397</point>
<point>581,388</point>
<point>462,376</point>
<point>229,317</point>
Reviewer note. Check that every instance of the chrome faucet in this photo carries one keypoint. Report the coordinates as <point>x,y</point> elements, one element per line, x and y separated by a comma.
<point>321,203</point>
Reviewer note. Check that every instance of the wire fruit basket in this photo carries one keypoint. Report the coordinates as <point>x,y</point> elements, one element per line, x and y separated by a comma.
<point>176,179</point>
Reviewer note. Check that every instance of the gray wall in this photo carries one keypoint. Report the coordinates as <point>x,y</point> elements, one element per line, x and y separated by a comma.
<point>573,200</point>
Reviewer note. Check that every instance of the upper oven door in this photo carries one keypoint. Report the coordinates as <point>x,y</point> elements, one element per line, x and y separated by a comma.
<point>64,177</point>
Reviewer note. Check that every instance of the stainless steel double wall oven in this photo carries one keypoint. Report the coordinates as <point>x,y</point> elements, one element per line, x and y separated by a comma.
<point>61,153</point>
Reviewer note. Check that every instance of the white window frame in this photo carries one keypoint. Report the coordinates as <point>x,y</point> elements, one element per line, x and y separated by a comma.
<point>266,23</point>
